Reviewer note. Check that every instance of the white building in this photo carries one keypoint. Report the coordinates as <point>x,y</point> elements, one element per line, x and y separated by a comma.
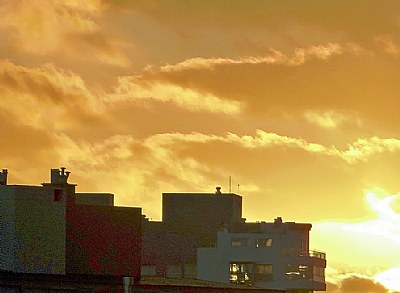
<point>264,255</point>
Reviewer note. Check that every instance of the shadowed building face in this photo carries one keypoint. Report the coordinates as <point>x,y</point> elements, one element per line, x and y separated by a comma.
<point>201,214</point>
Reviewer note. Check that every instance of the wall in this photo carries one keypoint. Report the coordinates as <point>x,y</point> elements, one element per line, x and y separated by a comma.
<point>7,228</point>
<point>34,230</point>
<point>103,240</point>
<point>162,247</point>
<point>97,199</point>
<point>200,214</point>
<point>40,229</point>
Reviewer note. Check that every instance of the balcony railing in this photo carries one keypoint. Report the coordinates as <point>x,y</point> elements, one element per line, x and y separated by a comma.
<point>317,254</point>
<point>297,252</point>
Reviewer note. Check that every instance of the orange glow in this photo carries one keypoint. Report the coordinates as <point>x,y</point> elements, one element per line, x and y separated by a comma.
<point>296,102</point>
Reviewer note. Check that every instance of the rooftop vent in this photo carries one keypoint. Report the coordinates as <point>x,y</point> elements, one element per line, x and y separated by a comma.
<point>278,222</point>
<point>218,190</point>
<point>3,177</point>
<point>59,176</point>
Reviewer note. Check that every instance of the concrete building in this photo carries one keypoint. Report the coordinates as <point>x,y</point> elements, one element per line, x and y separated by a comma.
<point>201,214</point>
<point>189,221</point>
<point>264,255</point>
<point>203,236</point>
<point>32,228</point>
<point>53,231</point>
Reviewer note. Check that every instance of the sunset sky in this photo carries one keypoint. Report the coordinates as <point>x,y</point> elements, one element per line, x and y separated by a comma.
<point>297,101</point>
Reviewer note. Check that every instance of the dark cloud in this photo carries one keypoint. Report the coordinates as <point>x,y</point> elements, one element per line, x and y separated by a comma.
<point>357,284</point>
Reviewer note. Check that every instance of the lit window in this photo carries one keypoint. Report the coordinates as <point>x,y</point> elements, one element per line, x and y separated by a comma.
<point>264,242</point>
<point>241,273</point>
<point>296,272</point>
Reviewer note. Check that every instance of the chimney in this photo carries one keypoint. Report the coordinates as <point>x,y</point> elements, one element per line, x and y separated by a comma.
<point>59,176</point>
<point>218,190</point>
<point>54,177</point>
<point>3,177</point>
<point>278,222</point>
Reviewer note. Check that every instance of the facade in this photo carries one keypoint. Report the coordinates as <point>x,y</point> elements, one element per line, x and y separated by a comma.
<point>53,231</point>
<point>33,229</point>
<point>189,221</point>
<point>264,255</point>
<point>52,236</point>
<point>203,236</point>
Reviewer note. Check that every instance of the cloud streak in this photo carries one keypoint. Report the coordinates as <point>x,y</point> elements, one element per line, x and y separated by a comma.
<point>131,89</point>
<point>300,56</point>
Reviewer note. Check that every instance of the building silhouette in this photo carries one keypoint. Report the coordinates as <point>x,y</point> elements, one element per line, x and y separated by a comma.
<point>204,236</point>
<point>53,239</point>
<point>51,234</point>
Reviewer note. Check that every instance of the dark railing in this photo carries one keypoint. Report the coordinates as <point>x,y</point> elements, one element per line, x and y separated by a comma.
<point>317,254</point>
<point>297,252</point>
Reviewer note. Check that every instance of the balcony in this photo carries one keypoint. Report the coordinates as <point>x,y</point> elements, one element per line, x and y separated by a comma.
<point>311,257</point>
<point>305,277</point>
<point>309,253</point>
<point>314,253</point>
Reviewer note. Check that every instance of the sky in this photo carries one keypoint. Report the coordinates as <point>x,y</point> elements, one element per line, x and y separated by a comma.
<point>297,101</point>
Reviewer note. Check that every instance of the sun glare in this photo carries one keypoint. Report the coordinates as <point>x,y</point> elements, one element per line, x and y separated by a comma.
<point>390,279</point>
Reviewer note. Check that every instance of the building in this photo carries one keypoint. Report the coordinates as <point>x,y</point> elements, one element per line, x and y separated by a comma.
<point>204,236</point>
<point>53,239</point>
<point>200,215</point>
<point>189,221</point>
<point>264,255</point>
<point>50,232</point>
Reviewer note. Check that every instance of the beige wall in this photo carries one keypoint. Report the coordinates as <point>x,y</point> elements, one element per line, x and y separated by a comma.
<point>38,229</point>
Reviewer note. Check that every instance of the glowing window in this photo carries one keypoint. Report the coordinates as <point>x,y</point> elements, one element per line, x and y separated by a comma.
<point>241,273</point>
<point>296,272</point>
<point>264,242</point>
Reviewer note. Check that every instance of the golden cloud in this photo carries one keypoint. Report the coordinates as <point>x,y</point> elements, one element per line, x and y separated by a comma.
<point>60,28</point>
<point>330,119</point>
<point>131,89</point>
<point>274,57</point>
<point>57,97</point>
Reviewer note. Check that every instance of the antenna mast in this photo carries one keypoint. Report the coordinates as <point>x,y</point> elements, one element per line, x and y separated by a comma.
<point>230,184</point>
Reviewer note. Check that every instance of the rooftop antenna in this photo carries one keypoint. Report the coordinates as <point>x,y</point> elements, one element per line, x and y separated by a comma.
<point>230,184</point>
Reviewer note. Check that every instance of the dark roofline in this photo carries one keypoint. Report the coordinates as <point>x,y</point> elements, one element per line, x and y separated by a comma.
<point>199,193</point>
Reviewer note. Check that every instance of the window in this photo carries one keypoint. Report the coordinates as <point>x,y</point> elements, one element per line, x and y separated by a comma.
<point>58,195</point>
<point>297,272</point>
<point>319,274</point>
<point>148,270</point>
<point>263,272</point>
<point>264,242</point>
<point>239,242</point>
<point>241,273</point>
